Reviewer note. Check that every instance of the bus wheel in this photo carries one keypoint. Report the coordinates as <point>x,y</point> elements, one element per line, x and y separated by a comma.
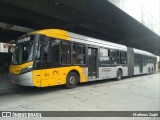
<point>149,71</point>
<point>119,74</point>
<point>72,80</point>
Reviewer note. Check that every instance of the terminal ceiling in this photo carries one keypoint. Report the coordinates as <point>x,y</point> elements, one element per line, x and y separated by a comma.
<point>94,18</point>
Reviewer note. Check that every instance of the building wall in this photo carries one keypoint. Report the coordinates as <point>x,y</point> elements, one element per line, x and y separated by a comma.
<point>146,12</point>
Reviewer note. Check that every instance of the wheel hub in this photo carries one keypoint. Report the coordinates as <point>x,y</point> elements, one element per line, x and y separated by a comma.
<point>72,80</point>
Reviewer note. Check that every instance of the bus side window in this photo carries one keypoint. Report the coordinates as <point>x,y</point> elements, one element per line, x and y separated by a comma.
<point>45,56</point>
<point>114,57</point>
<point>104,56</point>
<point>144,59</point>
<point>123,59</point>
<point>54,51</point>
<point>136,59</point>
<point>79,53</point>
<point>65,52</point>
<point>45,52</point>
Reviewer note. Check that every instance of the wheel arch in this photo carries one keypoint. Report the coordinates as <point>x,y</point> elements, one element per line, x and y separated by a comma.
<point>75,71</point>
<point>120,70</point>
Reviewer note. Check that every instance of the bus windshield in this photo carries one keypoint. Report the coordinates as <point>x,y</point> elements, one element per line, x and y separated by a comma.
<point>23,53</point>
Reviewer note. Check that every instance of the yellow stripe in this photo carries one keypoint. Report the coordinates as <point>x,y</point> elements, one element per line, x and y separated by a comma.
<point>56,76</point>
<point>55,33</point>
<point>16,69</point>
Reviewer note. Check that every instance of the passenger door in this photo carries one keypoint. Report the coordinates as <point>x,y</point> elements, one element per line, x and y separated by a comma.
<point>92,63</point>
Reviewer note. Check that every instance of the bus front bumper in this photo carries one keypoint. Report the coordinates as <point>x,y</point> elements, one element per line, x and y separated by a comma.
<point>23,79</point>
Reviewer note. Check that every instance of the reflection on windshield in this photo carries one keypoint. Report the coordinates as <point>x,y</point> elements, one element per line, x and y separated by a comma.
<point>23,53</point>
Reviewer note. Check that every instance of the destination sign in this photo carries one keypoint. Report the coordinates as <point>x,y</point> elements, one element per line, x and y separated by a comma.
<point>23,39</point>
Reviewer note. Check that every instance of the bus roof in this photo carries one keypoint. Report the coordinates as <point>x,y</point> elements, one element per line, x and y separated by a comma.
<point>56,33</point>
<point>143,52</point>
<point>96,42</point>
<point>66,35</point>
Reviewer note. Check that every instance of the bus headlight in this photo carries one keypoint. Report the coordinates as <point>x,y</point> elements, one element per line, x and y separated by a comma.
<point>25,70</point>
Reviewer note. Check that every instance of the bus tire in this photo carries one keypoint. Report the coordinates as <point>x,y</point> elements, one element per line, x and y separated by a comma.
<point>119,74</point>
<point>72,80</point>
<point>149,71</point>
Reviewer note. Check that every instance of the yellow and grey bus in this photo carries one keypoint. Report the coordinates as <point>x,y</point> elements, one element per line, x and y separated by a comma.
<point>56,57</point>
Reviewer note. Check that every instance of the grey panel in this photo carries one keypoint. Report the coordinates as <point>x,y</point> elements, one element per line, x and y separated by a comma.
<point>24,79</point>
<point>96,42</point>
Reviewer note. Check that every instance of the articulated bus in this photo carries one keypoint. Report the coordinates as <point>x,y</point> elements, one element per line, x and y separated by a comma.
<point>57,57</point>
